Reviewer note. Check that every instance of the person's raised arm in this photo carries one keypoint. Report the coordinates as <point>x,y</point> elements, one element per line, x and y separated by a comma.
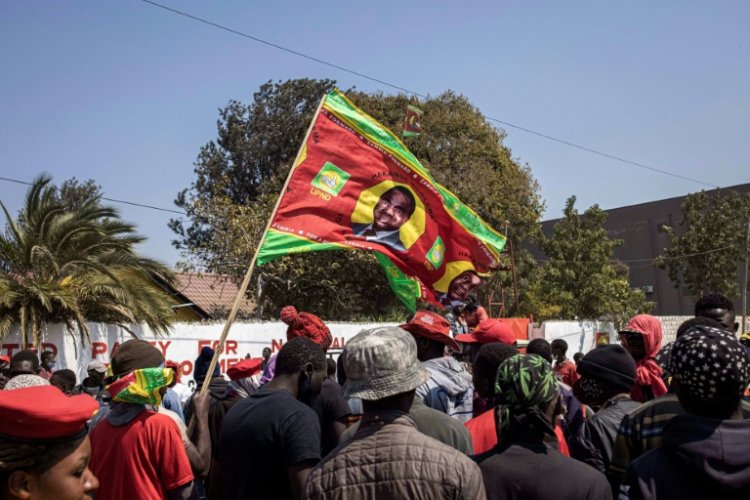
<point>199,452</point>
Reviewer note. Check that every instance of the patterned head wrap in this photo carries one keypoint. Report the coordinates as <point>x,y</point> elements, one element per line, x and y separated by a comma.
<point>141,386</point>
<point>710,363</point>
<point>525,384</point>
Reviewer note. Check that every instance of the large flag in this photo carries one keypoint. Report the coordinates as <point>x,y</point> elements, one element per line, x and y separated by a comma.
<point>412,121</point>
<point>356,186</point>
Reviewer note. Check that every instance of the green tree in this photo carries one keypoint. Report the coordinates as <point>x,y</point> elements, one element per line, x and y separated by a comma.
<point>74,194</point>
<point>579,278</point>
<point>708,244</point>
<point>239,175</point>
<point>73,265</point>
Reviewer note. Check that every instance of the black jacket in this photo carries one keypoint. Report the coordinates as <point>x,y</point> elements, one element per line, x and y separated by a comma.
<point>699,458</point>
<point>594,443</point>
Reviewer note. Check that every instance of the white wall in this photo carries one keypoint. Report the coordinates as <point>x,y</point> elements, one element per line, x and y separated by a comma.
<point>245,337</point>
<point>182,346</point>
<point>580,335</point>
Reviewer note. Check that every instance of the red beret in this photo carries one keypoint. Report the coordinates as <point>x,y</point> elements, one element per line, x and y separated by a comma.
<point>303,324</point>
<point>245,368</point>
<point>44,412</point>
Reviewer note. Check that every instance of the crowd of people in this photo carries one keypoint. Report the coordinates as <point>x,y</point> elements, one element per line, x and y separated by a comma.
<point>418,411</point>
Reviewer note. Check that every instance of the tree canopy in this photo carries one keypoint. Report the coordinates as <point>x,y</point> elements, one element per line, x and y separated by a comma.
<point>708,244</point>
<point>579,278</point>
<point>240,173</point>
<point>73,263</point>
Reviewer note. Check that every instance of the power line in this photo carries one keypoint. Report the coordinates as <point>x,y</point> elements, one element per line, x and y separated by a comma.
<point>280,47</point>
<point>418,94</point>
<point>629,261</point>
<point>113,200</point>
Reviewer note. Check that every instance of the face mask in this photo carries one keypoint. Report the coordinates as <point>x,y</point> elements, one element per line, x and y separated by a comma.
<point>52,364</point>
<point>588,391</point>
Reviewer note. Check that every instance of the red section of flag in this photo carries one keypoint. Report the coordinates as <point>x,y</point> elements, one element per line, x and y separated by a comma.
<point>349,191</point>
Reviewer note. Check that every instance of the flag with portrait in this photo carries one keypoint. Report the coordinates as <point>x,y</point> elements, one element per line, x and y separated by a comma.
<point>356,186</point>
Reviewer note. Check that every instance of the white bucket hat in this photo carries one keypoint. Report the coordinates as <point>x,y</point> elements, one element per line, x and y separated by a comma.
<point>382,362</point>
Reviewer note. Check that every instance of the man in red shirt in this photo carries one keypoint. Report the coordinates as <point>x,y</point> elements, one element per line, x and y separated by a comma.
<point>137,452</point>
<point>565,369</point>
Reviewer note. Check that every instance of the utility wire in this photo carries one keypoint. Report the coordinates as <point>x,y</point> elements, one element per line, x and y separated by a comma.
<point>418,94</point>
<point>684,256</point>
<point>132,203</point>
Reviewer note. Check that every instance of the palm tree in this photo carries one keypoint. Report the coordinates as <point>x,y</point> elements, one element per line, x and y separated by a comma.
<point>60,264</point>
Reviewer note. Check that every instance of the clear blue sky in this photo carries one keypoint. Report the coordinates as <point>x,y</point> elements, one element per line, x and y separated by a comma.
<point>126,93</point>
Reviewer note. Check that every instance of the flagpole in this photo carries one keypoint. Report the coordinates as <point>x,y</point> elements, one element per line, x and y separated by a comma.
<point>246,280</point>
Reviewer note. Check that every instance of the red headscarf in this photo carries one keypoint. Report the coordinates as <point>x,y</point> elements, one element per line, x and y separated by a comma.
<point>175,366</point>
<point>647,372</point>
<point>306,325</point>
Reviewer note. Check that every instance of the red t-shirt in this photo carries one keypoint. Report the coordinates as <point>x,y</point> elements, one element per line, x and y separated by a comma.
<point>567,372</point>
<point>484,435</point>
<point>143,459</point>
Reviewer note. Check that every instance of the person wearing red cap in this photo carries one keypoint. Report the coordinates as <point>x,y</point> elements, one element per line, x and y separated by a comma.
<point>44,448</point>
<point>331,408</point>
<point>244,377</point>
<point>488,331</point>
<point>449,388</point>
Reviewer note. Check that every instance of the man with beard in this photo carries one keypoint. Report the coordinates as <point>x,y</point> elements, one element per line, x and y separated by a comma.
<point>270,440</point>
<point>392,211</point>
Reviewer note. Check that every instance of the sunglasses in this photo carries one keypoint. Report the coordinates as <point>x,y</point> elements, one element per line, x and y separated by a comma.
<point>628,337</point>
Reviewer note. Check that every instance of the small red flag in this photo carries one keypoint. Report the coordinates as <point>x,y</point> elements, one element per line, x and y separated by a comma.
<point>412,121</point>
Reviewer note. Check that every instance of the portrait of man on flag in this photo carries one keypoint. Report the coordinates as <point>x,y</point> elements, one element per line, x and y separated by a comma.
<point>393,209</point>
<point>459,280</point>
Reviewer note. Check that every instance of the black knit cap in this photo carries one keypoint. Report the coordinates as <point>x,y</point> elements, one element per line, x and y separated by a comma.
<point>610,363</point>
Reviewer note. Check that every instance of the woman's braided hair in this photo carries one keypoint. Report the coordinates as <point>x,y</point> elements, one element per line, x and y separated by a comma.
<point>15,455</point>
<point>38,456</point>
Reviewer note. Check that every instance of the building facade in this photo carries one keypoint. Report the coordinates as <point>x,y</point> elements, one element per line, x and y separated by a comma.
<point>639,227</point>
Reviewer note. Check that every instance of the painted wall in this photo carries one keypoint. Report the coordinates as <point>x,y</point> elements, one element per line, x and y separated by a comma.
<point>182,346</point>
<point>187,339</point>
